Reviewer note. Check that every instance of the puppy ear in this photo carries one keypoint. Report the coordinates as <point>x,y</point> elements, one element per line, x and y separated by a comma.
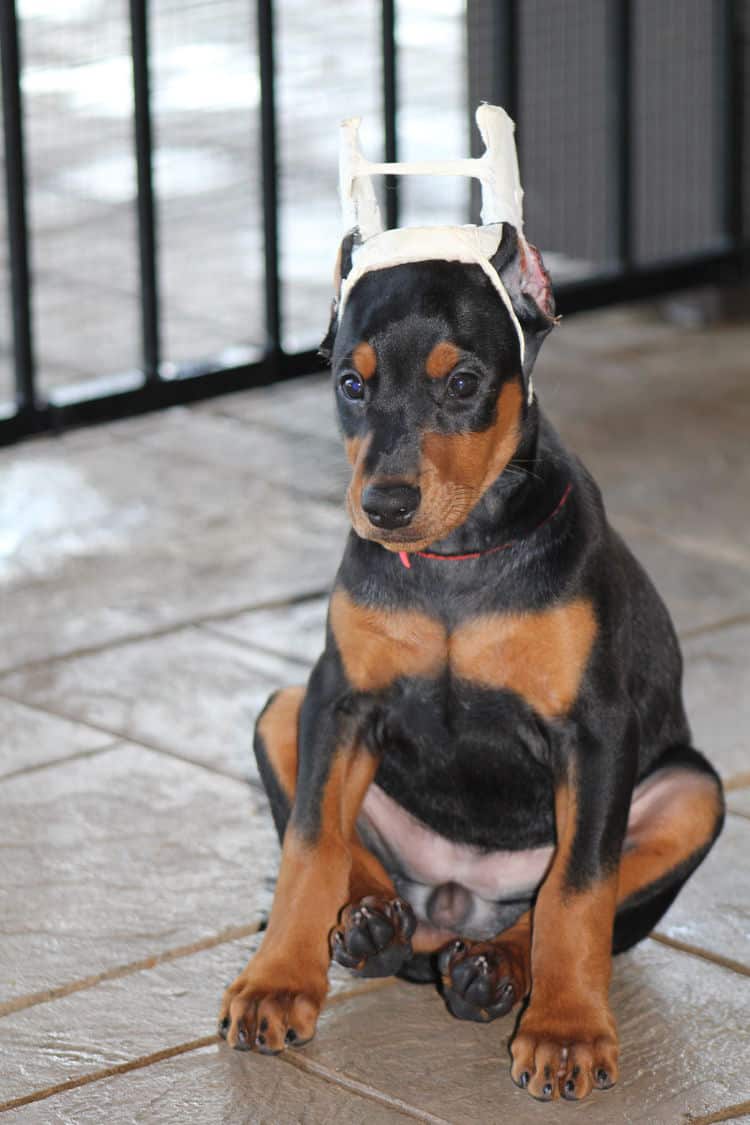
<point>522,271</point>
<point>340,273</point>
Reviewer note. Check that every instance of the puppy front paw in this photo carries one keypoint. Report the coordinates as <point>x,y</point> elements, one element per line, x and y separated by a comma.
<point>571,1056</point>
<point>268,1008</point>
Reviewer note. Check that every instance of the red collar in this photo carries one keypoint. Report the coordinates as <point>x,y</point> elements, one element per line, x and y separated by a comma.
<point>404,555</point>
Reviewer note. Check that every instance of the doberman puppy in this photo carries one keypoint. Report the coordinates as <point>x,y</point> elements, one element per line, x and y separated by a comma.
<point>489,777</point>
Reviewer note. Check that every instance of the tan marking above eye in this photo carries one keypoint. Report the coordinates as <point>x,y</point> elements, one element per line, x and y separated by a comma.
<point>364,360</point>
<point>540,656</point>
<point>378,646</point>
<point>442,359</point>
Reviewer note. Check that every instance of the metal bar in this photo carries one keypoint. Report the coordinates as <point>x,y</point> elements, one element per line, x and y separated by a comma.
<point>15,198</point>
<point>269,174</point>
<point>622,134</point>
<point>390,108</point>
<point>506,29</point>
<point>730,119</point>
<point>503,49</point>
<point>147,245</point>
<point>158,394</point>
<point>571,297</point>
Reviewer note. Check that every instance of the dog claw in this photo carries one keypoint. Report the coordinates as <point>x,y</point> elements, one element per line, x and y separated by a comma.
<point>340,953</point>
<point>447,953</point>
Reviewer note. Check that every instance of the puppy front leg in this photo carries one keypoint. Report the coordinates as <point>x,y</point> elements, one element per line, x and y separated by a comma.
<point>276,1000</point>
<point>567,1039</point>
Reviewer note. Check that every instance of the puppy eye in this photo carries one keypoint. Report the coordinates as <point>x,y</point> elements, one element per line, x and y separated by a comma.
<point>352,386</point>
<point>462,384</point>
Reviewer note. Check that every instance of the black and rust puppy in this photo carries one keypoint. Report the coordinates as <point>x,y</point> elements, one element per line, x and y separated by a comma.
<point>490,774</point>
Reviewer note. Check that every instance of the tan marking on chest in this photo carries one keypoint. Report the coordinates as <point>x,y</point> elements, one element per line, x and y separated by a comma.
<point>540,656</point>
<point>378,646</point>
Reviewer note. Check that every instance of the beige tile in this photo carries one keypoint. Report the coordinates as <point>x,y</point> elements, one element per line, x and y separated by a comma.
<point>191,693</point>
<point>121,1020</point>
<point>685,1048</point>
<point>31,738</point>
<point>665,439</point>
<point>121,540</point>
<point>211,1086</point>
<point>684,1034</point>
<point>623,330</point>
<point>712,911</point>
<point>738,801</point>
<point>305,463</point>
<point>717,694</point>
<point>299,406</point>
<point>697,588</point>
<point>296,630</point>
<point>121,856</point>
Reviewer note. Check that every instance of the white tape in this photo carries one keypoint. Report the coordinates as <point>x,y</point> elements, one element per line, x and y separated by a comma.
<point>502,202</point>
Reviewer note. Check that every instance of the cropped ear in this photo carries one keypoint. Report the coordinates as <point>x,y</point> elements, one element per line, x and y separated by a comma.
<point>527,282</point>
<point>340,273</point>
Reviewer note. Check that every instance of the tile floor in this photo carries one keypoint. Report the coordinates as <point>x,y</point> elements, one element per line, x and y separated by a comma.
<point>159,577</point>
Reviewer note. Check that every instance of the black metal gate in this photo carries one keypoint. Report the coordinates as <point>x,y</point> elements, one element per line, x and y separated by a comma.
<point>502,34</point>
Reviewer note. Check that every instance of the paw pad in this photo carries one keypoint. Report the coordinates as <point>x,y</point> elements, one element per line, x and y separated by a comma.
<point>373,938</point>
<point>477,981</point>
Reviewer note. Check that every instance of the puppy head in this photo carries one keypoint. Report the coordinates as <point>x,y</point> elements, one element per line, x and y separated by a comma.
<point>430,387</point>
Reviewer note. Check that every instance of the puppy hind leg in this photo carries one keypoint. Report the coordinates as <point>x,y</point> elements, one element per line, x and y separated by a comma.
<point>674,821</point>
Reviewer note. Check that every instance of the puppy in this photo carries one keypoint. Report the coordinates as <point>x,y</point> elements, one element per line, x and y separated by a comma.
<point>489,777</point>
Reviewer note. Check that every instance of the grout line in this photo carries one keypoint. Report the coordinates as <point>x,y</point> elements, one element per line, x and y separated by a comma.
<point>336,1078</point>
<point>230,934</point>
<point>736,812</point>
<point>255,647</point>
<point>207,1041</point>
<point>729,1113</point>
<point>109,1072</point>
<point>123,736</point>
<point>164,631</point>
<point>715,626</point>
<point>703,954</point>
<point>23,771</point>
<point>30,1000</point>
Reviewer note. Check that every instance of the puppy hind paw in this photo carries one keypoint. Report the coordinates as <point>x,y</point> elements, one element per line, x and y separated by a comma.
<point>373,937</point>
<point>477,981</point>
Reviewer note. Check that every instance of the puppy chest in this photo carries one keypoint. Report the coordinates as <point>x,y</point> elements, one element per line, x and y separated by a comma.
<point>540,656</point>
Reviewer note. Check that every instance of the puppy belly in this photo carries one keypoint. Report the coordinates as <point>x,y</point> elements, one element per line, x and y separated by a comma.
<point>453,887</point>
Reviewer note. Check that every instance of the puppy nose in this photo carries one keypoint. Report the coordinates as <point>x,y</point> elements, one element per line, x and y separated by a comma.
<point>391,505</point>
